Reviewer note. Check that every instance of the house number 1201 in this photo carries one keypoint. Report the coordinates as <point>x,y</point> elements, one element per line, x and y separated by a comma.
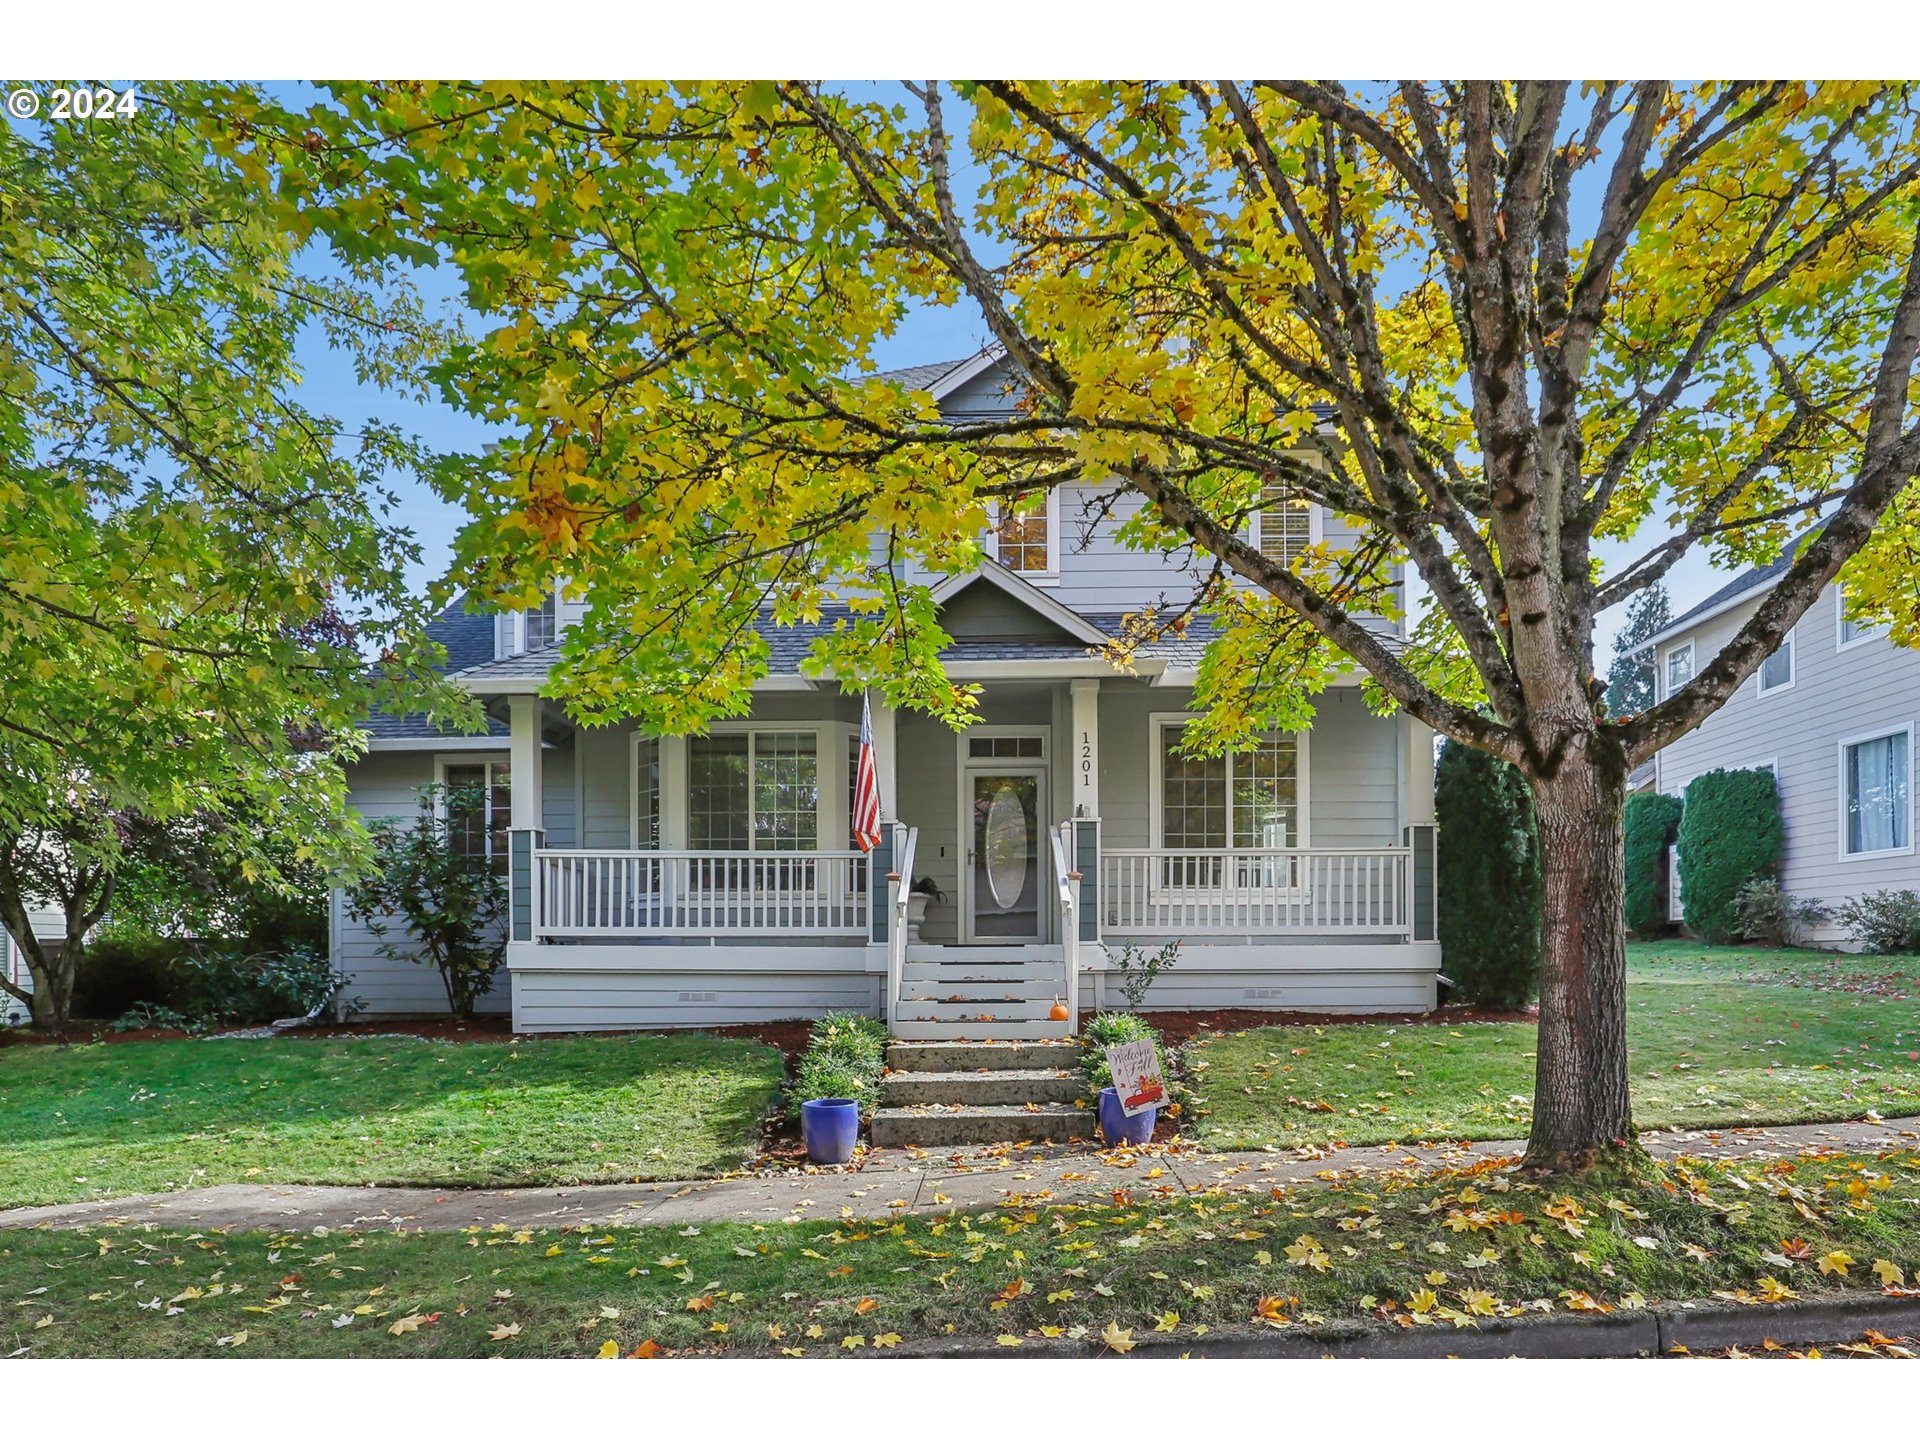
<point>1086,759</point>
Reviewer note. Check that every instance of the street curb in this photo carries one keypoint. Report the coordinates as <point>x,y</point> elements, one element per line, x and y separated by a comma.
<point>1548,1337</point>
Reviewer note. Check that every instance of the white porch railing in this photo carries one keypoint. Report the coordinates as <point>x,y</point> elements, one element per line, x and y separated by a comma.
<point>899,881</point>
<point>700,893</point>
<point>1256,892</point>
<point>1068,879</point>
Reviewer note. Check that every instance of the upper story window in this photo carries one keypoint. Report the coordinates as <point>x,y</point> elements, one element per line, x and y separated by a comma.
<point>1876,802</point>
<point>479,808</point>
<point>1679,666</point>
<point>1024,540</point>
<point>1852,632</point>
<point>541,623</point>
<point>1776,671</point>
<point>1286,522</point>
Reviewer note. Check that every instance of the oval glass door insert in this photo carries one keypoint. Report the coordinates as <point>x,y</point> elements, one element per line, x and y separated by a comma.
<point>1006,845</point>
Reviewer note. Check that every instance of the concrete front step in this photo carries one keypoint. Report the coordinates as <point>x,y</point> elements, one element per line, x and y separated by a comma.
<point>971,1027</point>
<point>920,1056</point>
<point>981,1124</point>
<point>983,1087</point>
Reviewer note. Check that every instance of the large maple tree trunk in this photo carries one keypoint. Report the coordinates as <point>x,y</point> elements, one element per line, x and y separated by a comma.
<point>1581,1113</point>
<point>52,999</point>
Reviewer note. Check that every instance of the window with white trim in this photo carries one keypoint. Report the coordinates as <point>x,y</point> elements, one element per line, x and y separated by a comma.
<point>1024,536</point>
<point>1283,525</point>
<point>478,806</point>
<point>754,790</point>
<point>1852,632</point>
<point>1679,666</point>
<point>646,794</point>
<point>541,623</point>
<point>1248,800</point>
<point>1876,801</point>
<point>1776,671</point>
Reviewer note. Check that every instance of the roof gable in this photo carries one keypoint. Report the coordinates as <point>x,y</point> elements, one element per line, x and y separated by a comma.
<point>1008,607</point>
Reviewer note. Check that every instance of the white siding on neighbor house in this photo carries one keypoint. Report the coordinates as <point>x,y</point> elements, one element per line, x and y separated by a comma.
<point>1869,688</point>
<point>46,925</point>
<point>385,785</point>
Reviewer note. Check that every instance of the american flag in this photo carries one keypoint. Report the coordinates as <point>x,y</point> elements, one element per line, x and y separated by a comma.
<point>866,790</point>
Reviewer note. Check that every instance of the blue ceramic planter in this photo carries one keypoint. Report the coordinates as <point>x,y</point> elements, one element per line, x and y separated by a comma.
<point>831,1129</point>
<point>1116,1126</point>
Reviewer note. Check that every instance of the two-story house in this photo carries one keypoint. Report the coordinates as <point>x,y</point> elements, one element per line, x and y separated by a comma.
<point>680,880</point>
<point>1831,713</point>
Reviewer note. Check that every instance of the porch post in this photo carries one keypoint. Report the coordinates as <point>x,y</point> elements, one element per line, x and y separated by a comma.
<point>1420,836</point>
<point>523,754</point>
<point>526,813</point>
<point>1083,761</point>
<point>673,792</point>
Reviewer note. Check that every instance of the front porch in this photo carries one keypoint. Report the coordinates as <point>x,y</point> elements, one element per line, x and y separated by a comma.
<point>1049,833</point>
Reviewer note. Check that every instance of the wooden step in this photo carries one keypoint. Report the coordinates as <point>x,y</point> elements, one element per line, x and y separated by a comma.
<point>957,1027</point>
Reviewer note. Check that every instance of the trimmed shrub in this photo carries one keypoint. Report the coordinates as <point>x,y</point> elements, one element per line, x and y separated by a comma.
<point>1730,833</point>
<point>1885,922</point>
<point>119,972</point>
<point>1488,865</point>
<point>1652,821</point>
<point>1769,916</point>
<point>844,1059</point>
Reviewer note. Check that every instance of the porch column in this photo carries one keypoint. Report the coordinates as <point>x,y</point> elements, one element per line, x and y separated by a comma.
<point>886,753</point>
<point>526,813</point>
<point>673,792</point>
<point>1417,802</point>
<point>1083,762</point>
<point>523,753</point>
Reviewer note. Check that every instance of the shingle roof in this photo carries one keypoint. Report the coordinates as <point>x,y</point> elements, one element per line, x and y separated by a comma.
<point>919,377</point>
<point>1752,581</point>
<point>467,634</point>
<point>789,645</point>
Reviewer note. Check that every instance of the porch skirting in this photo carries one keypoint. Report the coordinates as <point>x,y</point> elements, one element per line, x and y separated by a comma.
<point>583,986</point>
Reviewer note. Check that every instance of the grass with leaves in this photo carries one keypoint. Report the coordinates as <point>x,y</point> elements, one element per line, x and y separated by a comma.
<point>1384,1249</point>
<point>1714,1037</point>
<point>92,1121</point>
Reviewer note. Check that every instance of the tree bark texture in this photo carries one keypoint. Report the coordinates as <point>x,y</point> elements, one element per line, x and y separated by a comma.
<point>1581,1110</point>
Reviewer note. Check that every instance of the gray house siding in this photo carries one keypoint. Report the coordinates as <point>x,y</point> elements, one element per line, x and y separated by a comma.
<point>386,785</point>
<point>1837,695</point>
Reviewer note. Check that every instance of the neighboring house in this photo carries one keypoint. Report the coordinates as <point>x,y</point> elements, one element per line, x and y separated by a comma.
<point>48,926</point>
<point>1832,714</point>
<point>710,879</point>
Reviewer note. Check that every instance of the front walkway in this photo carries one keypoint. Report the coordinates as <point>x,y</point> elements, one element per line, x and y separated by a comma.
<point>893,1182</point>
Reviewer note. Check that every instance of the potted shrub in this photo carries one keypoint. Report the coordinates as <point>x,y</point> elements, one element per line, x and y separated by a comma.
<point>1118,1028</point>
<point>919,895</point>
<point>838,1077</point>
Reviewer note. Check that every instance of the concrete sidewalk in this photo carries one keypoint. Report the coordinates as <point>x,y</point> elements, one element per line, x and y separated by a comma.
<point>892,1182</point>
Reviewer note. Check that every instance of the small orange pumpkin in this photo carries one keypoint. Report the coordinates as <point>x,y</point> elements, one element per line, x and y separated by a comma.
<point>1059,1011</point>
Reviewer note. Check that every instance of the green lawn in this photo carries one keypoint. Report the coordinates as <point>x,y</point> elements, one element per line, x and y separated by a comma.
<point>101,1120</point>
<point>1716,1037</point>
<point>1383,1249</point>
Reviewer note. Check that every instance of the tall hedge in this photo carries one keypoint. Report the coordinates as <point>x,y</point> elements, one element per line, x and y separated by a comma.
<point>1730,833</point>
<point>1652,821</point>
<point>1488,866</point>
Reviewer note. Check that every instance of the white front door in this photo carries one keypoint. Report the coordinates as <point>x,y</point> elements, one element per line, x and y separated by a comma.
<point>1004,862</point>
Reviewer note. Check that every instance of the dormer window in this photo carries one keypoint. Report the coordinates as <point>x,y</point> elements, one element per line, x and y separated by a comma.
<point>1286,522</point>
<point>1023,540</point>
